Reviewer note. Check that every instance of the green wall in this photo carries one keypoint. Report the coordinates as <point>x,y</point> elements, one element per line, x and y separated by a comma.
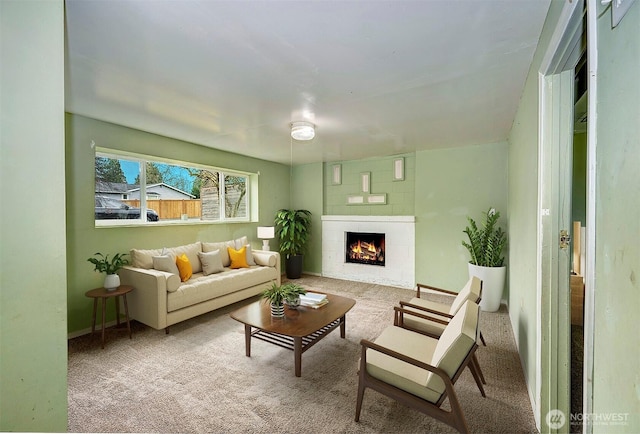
<point>441,187</point>
<point>306,193</point>
<point>400,194</point>
<point>523,214</point>
<point>616,376</point>
<point>84,239</point>
<point>33,304</point>
<point>452,184</point>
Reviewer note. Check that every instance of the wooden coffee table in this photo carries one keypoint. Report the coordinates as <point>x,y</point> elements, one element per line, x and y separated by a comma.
<point>299,330</point>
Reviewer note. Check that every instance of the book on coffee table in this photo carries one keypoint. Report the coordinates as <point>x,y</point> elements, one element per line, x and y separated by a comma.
<point>312,299</point>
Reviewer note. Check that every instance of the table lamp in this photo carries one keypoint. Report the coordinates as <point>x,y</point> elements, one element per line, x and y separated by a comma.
<point>265,233</point>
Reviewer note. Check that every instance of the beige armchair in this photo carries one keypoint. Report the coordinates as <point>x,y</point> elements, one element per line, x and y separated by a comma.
<point>420,371</point>
<point>440,313</point>
<point>430,318</point>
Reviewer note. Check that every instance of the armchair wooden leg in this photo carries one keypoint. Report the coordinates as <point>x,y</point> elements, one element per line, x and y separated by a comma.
<point>474,372</point>
<point>482,339</point>
<point>359,400</point>
<point>475,361</point>
<point>361,386</point>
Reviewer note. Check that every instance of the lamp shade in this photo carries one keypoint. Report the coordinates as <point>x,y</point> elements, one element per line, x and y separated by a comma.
<point>266,232</point>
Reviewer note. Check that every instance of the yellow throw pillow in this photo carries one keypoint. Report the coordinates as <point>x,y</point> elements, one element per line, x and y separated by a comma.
<point>238,257</point>
<point>184,267</point>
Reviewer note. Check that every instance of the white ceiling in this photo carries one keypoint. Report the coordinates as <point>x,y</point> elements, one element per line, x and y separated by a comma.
<point>377,77</point>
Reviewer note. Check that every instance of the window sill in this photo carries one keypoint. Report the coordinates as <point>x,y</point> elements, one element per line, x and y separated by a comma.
<point>138,224</point>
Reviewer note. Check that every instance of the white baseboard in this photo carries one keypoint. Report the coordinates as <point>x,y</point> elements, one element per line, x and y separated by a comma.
<point>87,331</point>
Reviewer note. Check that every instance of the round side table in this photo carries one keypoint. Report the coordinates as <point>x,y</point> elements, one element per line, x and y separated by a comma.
<point>104,295</point>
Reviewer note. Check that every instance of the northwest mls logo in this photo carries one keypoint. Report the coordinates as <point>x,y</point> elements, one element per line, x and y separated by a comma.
<point>556,419</point>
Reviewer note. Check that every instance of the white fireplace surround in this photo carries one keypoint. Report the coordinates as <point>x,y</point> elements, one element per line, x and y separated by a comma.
<point>399,268</point>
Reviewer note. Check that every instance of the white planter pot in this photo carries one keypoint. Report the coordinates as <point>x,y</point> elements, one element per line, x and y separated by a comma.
<point>277,310</point>
<point>492,285</point>
<point>111,282</point>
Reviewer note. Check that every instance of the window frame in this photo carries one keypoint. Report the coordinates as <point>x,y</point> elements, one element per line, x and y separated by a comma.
<point>142,160</point>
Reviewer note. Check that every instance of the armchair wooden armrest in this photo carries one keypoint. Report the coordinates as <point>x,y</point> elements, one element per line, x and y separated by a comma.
<point>399,313</point>
<point>433,288</point>
<point>426,309</point>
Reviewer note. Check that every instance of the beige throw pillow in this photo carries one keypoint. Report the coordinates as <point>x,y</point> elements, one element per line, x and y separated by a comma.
<point>165,263</point>
<point>222,246</point>
<point>211,262</point>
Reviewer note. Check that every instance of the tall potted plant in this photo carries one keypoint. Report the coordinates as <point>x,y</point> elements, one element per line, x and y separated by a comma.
<point>293,228</point>
<point>109,266</point>
<point>485,247</point>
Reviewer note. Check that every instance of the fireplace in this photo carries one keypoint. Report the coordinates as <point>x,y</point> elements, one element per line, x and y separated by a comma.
<point>399,249</point>
<point>365,248</point>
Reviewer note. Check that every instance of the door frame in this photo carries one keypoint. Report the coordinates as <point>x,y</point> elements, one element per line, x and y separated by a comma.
<point>553,324</point>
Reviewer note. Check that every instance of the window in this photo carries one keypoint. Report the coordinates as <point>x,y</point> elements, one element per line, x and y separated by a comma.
<point>127,187</point>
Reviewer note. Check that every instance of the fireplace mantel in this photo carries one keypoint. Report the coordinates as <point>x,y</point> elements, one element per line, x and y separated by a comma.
<point>399,268</point>
<point>370,218</point>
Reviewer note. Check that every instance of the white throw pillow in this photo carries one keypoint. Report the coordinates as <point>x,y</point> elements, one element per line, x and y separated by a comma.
<point>165,263</point>
<point>250,260</point>
<point>211,262</point>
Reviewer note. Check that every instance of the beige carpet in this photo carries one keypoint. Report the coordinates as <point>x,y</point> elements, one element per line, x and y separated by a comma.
<point>198,380</point>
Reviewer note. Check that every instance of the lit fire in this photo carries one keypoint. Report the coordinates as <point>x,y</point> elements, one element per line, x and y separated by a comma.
<point>366,252</point>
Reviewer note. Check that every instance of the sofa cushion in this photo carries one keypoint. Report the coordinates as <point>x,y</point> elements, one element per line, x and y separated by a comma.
<point>184,266</point>
<point>143,258</point>
<point>238,257</point>
<point>191,250</point>
<point>222,246</point>
<point>239,242</point>
<point>202,288</point>
<point>211,262</point>
<point>166,263</point>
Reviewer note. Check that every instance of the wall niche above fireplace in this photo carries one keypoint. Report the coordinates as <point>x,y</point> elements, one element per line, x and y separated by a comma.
<point>365,248</point>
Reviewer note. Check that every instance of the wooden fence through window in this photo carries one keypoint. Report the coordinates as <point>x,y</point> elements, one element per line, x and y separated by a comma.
<point>171,209</point>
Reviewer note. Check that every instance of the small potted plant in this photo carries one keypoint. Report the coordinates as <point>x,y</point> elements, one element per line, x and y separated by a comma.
<point>104,264</point>
<point>276,295</point>
<point>293,291</point>
<point>485,247</point>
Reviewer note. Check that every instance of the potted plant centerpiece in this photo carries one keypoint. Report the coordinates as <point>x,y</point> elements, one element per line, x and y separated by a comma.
<point>109,266</point>
<point>293,291</point>
<point>487,261</point>
<point>277,295</point>
<point>293,228</point>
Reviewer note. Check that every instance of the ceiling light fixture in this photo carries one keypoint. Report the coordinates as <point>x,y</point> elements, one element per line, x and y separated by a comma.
<point>302,130</point>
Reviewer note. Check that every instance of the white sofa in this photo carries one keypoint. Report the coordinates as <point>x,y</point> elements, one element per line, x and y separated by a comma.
<point>160,299</point>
